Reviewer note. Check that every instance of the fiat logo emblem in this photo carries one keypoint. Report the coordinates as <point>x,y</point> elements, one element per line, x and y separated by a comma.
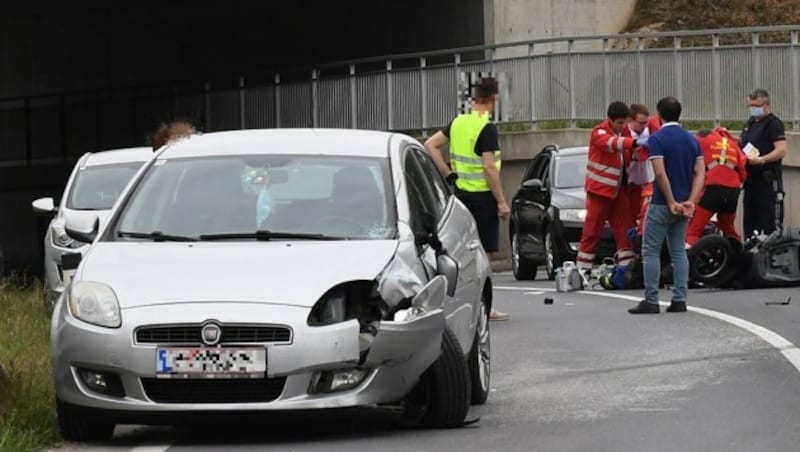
<point>211,333</point>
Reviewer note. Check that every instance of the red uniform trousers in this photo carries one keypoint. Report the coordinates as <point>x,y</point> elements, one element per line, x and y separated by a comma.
<point>638,200</point>
<point>600,209</point>
<point>702,217</point>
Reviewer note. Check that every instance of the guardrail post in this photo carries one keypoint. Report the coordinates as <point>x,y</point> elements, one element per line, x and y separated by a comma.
<point>208,106</point>
<point>531,87</point>
<point>640,67</point>
<point>795,82</point>
<point>677,63</point>
<point>571,70</point>
<point>353,105</point>
<point>278,100</point>
<point>28,131</point>
<point>242,110</point>
<point>389,98</point>
<point>423,95</point>
<point>756,60</point>
<point>314,98</point>
<point>606,75</point>
<point>715,77</point>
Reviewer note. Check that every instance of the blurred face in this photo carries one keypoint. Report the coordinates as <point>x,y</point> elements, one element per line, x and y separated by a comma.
<point>618,125</point>
<point>639,123</point>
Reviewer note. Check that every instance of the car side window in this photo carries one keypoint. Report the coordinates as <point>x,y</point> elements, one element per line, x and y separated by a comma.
<point>536,169</point>
<point>438,185</point>
<point>545,176</point>
<point>421,197</point>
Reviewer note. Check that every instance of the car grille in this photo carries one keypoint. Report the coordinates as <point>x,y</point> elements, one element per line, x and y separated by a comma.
<point>190,334</point>
<point>229,390</point>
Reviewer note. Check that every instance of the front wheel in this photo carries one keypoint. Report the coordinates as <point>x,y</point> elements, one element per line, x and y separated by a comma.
<point>553,258</point>
<point>711,260</point>
<point>480,370</point>
<point>78,427</point>
<point>523,268</point>
<point>441,398</point>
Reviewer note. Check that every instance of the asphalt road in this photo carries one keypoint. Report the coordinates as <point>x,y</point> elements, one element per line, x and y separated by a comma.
<point>581,374</point>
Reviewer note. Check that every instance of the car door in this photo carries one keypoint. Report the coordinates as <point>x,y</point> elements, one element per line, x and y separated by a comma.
<point>429,194</point>
<point>531,204</point>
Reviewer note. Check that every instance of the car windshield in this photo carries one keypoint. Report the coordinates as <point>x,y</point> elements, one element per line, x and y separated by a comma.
<point>98,187</point>
<point>570,171</point>
<point>280,196</point>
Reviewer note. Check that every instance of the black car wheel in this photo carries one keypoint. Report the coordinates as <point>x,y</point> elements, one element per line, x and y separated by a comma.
<point>711,260</point>
<point>523,268</point>
<point>553,258</point>
<point>480,370</point>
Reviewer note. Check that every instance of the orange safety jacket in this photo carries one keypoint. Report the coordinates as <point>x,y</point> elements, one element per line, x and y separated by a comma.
<point>725,161</point>
<point>605,165</point>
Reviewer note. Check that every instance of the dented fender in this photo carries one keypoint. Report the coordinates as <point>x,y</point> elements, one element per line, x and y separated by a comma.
<point>416,341</point>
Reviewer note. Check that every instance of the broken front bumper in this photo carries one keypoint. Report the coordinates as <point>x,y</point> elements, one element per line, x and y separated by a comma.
<point>397,355</point>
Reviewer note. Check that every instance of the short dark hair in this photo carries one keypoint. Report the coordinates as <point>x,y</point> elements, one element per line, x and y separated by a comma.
<point>485,88</point>
<point>703,133</point>
<point>618,110</point>
<point>669,109</point>
<point>637,109</point>
<point>759,93</point>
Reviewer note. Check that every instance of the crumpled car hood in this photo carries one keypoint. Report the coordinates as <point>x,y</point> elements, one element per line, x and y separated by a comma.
<point>285,272</point>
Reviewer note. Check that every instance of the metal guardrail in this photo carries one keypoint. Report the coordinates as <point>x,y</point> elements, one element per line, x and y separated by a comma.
<point>562,80</point>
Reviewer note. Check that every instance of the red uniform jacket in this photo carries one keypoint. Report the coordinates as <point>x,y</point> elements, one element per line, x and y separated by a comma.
<point>604,168</point>
<point>725,160</point>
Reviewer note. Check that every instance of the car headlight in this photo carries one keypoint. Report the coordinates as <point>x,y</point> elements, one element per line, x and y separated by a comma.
<point>576,215</point>
<point>59,236</point>
<point>94,303</point>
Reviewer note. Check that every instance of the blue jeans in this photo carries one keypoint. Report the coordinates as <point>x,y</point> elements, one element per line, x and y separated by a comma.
<point>660,224</point>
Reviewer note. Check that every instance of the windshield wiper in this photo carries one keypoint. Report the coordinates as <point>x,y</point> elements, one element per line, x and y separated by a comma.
<point>263,234</point>
<point>157,236</point>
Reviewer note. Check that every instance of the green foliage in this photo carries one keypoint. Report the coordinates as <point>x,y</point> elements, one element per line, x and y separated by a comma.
<point>27,398</point>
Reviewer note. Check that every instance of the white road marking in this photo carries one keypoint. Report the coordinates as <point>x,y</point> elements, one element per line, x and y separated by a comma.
<point>150,449</point>
<point>790,351</point>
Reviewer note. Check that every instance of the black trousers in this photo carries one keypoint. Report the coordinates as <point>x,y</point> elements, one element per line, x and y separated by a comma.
<point>761,206</point>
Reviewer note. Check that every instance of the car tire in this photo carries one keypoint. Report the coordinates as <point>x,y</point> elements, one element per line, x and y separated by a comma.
<point>523,268</point>
<point>480,370</point>
<point>553,258</point>
<point>78,427</point>
<point>442,396</point>
<point>711,261</point>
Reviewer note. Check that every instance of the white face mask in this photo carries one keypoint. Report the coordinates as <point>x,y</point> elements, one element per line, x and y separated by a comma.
<point>263,206</point>
<point>757,112</point>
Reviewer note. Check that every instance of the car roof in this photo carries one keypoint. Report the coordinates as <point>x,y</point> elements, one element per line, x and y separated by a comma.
<point>121,155</point>
<point>574,150</point>
<point>345,142</point>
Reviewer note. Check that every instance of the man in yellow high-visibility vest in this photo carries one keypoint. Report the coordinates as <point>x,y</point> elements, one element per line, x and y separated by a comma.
<point>475,160</point>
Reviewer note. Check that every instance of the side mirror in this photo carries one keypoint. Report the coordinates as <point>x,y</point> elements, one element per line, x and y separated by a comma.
<point>448,267</point>
<point>44,206</point>
<point>533,183</point>
<point>83,228</point>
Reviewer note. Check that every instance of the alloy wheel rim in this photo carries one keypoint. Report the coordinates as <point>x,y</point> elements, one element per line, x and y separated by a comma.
<point>484,348</point>
<point>515,252</point>
<point>548,251</point>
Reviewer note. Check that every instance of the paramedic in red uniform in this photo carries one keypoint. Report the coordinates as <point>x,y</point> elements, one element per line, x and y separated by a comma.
<point>606,187</point>
<point>640,170</point>
<point>726,171</point>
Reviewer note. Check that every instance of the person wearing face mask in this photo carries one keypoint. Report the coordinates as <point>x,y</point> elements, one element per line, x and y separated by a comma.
<point>607,186</point>
<point>264,203</point>
<point>764,142</point>
<point>640,170</point>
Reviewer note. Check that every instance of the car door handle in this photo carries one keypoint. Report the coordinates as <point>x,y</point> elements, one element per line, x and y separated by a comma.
<point>474,245</point>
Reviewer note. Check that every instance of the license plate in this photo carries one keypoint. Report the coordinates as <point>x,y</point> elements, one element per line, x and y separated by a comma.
<point>198,362</point>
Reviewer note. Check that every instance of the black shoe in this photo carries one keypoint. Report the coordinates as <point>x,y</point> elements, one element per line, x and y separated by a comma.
<point>645,308</point>
<point>677,306</point>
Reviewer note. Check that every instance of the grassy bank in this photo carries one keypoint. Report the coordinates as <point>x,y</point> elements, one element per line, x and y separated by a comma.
<point>27,407</point>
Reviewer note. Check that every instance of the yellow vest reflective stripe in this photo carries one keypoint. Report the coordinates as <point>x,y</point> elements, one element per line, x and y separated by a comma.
<point>464,132</point>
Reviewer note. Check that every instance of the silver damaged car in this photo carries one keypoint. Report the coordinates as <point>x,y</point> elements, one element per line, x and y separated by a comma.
<point>262,270</point>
